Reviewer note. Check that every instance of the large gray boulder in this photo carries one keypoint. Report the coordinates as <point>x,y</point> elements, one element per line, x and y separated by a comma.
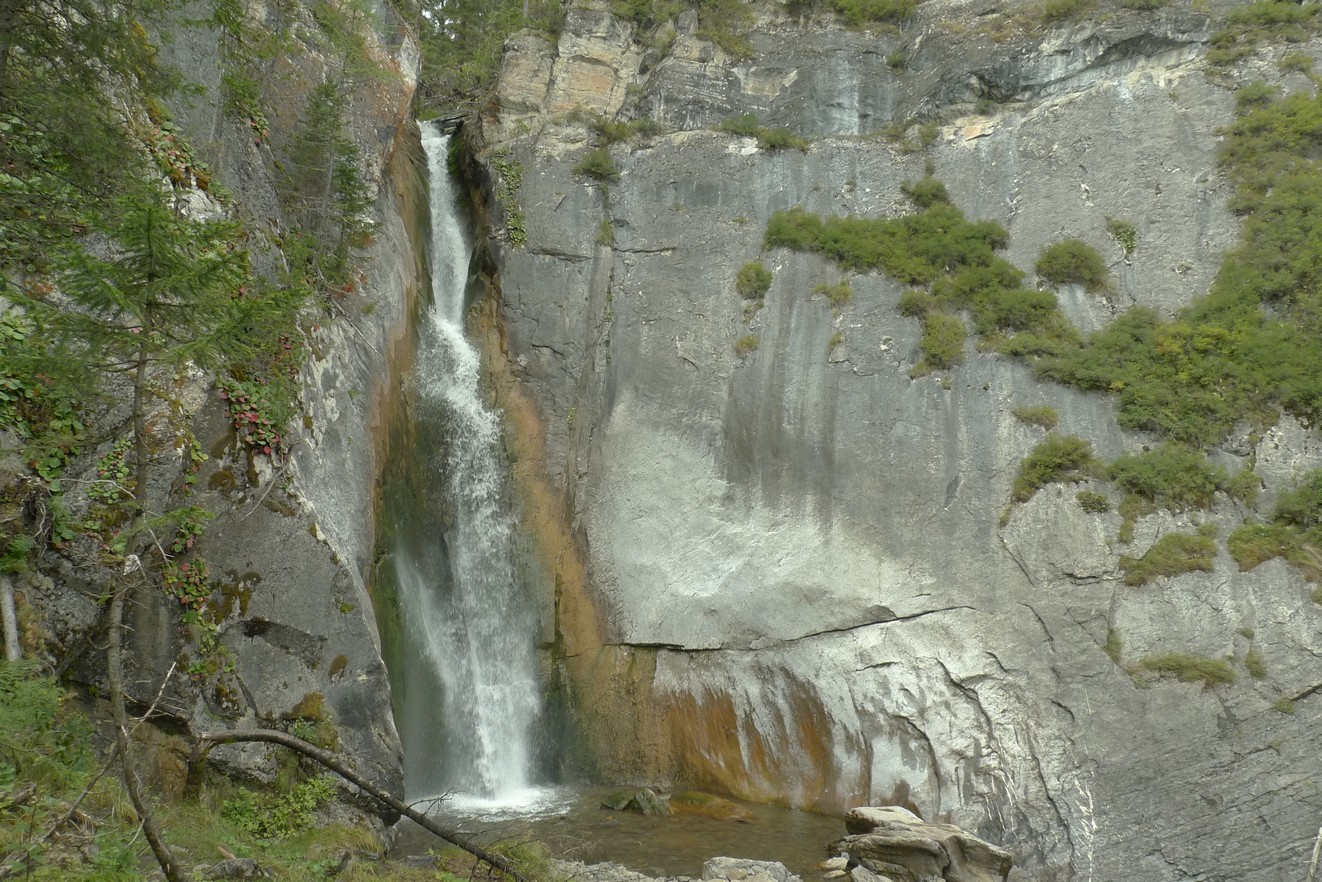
<point>893,843</point>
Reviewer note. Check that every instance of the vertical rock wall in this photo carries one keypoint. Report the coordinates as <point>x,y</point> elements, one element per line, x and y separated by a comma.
<point>291,540</point>
<point>790,578</point>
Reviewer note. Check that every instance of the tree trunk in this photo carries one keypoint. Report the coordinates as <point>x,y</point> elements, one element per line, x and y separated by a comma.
<point>12,650</point>
<point>207,740</point>
<point>115,674</point>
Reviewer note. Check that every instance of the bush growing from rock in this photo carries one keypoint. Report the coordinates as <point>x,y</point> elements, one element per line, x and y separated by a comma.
<point>942,342</point>
<point>1058,458</point>
<point>753,281</point>
<point>1189,668</point>
<point>1043,415</point>
<point>1302,506</point>
<point>1173,476</point>
<point>1072,261</point>
<point>1093,503</point>
<point>1173,554</point>
<point>597,164</point>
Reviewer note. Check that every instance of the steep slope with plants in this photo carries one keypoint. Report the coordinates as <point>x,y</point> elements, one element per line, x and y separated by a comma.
<point>208,278</point>
<point>914,405</point>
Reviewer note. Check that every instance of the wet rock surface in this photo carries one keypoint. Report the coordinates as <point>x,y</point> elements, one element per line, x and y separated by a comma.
<point>801,580</point>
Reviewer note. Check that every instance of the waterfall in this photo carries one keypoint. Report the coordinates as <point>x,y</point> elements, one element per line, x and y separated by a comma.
<point>467,631</point>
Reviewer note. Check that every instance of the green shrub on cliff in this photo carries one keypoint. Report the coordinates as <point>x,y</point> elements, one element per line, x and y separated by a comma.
<point>771,139</point>
<point>1172,476</point>
<point>598,165</point>
<point>1072,261</point>
<point>942,343</point>
<point>1171,555</point>
<point>753,281</point>
<point>861,13</point>
<point>1059,458</point>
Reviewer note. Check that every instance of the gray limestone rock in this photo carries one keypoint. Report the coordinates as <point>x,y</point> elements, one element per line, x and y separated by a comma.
<point>808,554</point>
<point>744,870</point>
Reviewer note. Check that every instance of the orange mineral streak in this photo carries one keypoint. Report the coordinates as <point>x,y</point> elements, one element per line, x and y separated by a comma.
<point>781,754</point>
<point>630,731</point>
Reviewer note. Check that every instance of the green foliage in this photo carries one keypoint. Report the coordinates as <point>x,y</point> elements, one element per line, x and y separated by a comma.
<point>1115,646</point>
<point>1301,507</point>
<point>1058,458</point>
<point>1171,555</point>
<point>321,183</point>
<point>611,132</point>
<point>746,345</point>
<point>917,303</point>
<point>898,59</point>
<point>1295,532</point>
<point>1057,11</point>
<point>1284,705</point>
<point>747,125</point>
<point>837,295</point>
<point>1248,25</point>
<point>1255,664</point>
<point>1043,415</point>
<point>462,41</point>
<point>1244,486</point>
<point>942,343</point>
<point>278,815</point>
<point>1255,95</point>
<point>1124,233</point>
<point>1093,503</point>
<point>1172,476</point>
<point>46,763</point>
<point>862,13</point>
<point>915,249</point>
<point>753,281</point>
<point>927,192</point>
<point>1188,668</point>
<point>509,179</point>
<point>1299,62</point>
<point>1073,261</point>
<point>598,165</point>
<point>606,233</point>
<point>1144,5</point>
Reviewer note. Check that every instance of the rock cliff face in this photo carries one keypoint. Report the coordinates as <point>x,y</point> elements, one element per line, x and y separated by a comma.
<point>291,542</point>
<point>786,574</point>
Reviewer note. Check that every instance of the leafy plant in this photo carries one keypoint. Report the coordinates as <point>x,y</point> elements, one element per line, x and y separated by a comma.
<point>942,343</point>
<point>753,281</point>
<point>1093,502</point>
<point>508,182</point>
<point>1056,459</point>
<point>276,815</point>
<point>746,345</point>
<point>836,295</point>
<point>1057,11</point>
<point>1124,233</point>
<point>746,125</point>
<point>1172,476</point>
<point>598,165</point>
<point>1073,261</point>
<point>1042,415</point>
<point>861,13</point>
<point>1187,668</point>
<point>1301,507</point>
<point>1171,555</point>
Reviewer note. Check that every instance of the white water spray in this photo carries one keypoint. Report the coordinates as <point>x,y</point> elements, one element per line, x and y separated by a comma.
<point>477,637</point>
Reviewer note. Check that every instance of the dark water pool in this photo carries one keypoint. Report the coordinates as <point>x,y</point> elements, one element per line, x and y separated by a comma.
<point>575,827</point>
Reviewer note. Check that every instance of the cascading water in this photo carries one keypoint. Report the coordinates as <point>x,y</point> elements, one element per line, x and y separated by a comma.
<point>466,630</point>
